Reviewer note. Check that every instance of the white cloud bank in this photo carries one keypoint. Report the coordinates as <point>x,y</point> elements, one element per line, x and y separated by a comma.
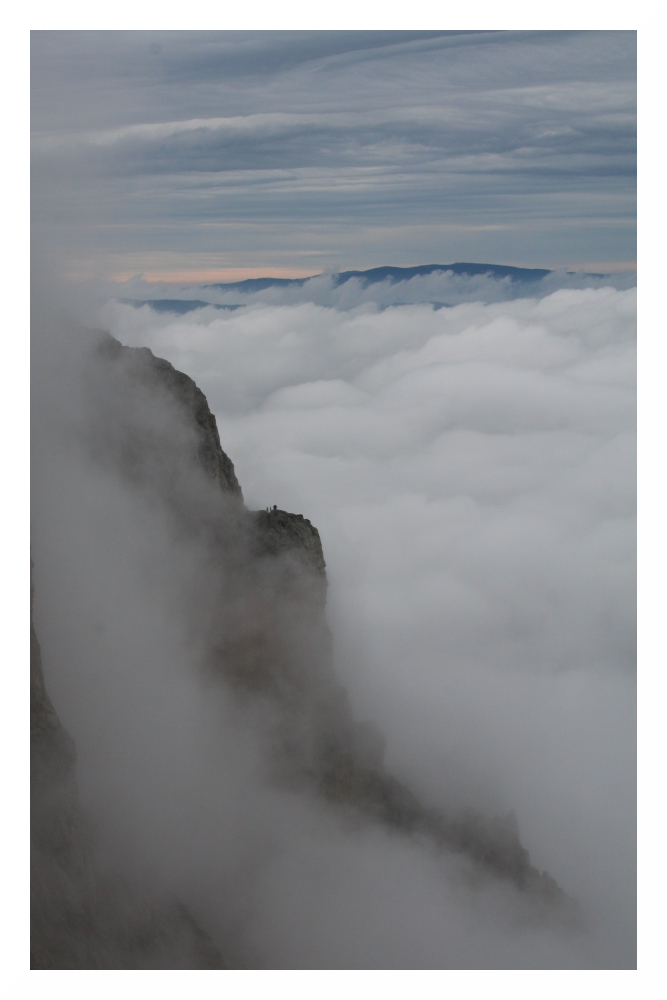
<point>472,474</point>
<point>471,471</point>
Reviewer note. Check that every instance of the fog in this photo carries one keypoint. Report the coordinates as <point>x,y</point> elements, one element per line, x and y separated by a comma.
<point>471,470</point>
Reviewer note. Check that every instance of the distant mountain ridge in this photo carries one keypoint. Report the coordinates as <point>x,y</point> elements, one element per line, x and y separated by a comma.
<point>392,274</point>
<point>461,268</point>
<point>504,280</point>
<point>178,306</point>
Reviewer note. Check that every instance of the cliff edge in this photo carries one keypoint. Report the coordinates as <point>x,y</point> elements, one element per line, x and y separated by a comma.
<point>268,639</point>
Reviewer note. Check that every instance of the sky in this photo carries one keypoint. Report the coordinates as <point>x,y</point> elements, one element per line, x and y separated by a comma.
<point>204,156</point>
<point>466,446</point>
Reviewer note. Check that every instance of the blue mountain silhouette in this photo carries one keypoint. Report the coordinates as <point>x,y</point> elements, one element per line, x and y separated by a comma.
<point>393,274</point>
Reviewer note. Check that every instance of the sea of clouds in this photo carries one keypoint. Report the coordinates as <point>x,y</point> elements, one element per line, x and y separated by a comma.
<point>471,470</point>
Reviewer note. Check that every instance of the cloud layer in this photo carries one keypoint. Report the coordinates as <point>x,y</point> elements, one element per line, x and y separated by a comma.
<point>472,474</point>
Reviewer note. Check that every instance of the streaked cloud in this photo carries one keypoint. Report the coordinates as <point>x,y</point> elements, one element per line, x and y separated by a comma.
<point>197,137</point>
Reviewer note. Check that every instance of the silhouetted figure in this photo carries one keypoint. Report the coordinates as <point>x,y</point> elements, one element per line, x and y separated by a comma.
<point>275,507</point>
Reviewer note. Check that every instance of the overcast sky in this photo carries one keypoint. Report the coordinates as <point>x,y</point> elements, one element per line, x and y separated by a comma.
<point>198,155</point>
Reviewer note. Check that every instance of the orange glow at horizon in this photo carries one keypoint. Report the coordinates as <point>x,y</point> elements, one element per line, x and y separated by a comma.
<point>228,274</point>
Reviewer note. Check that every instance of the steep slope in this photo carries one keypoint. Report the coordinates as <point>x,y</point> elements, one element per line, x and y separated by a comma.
<point>287,592</point>
<point>79,917</point>
<point>256,606</point>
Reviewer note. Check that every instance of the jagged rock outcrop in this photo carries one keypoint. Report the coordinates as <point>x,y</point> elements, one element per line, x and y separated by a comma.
<point>155,373</point>
<point>278,532</point>
<point>345,760</point>
<point>318,738</point>
<point>260,613</point>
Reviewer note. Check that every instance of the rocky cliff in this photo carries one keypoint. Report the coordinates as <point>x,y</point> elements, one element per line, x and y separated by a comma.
<point>261,619</point>
<point>80,918</point>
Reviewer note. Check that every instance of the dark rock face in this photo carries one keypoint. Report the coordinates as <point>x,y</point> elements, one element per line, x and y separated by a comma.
<point>276,532</point>
<point>78,918</point>
<point>267,638</point>
<point>139,364</point>
<point>60,874</point>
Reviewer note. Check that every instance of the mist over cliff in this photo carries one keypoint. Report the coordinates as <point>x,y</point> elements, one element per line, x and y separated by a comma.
<point>295,772</point>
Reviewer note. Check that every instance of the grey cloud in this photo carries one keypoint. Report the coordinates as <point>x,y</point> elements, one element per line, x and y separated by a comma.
<point>474,61</point>
<point>367,130</point>
<point>472,473</point>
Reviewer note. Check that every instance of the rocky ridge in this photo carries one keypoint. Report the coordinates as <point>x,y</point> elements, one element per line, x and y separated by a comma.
<point>348,763</point>
<point>279,648</point>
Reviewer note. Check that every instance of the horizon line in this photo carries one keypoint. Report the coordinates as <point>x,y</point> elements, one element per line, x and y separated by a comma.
<point>231,275</point>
